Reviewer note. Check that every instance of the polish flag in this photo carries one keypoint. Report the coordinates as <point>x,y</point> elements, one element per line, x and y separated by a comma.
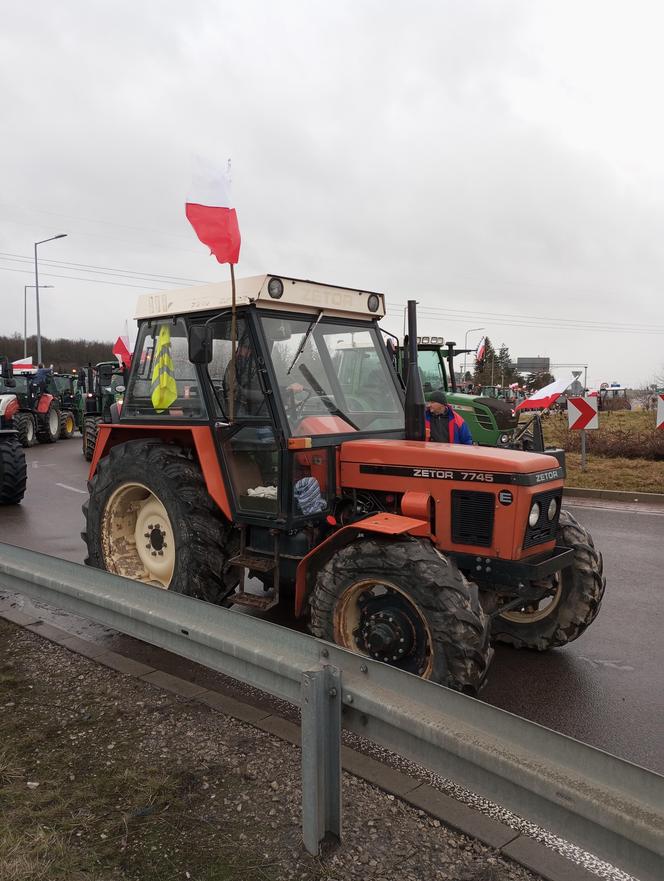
<point>209,211</point>
<point>121,350</point>
<point>481,347</point>
<point>544,397</point>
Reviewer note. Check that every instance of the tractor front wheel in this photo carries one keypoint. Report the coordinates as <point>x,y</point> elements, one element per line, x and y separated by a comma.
<point>13,471</point>
<point>569,604</point>
<point>401,602</point>
<point>48,425</point>
<point>24,424</point>
<point>90,431</point>
<point>150,518</point>
<point>67,424</point>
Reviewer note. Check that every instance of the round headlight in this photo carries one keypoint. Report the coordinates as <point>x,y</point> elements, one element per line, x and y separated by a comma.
<point>275,288</point>
<point>534,515</point>
<point>504,438</point>
<point>552,510</point>
<point>373,303</point>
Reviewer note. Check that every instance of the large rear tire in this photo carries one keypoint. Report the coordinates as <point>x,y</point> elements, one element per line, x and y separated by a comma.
<point>400,601</point>
<point>150,518</point>
<point>24,424</point>
<point>13,470</point>
<point>48,425</point>
<point>90,431</point>
<point>67,424</point>
<point>571,604</point>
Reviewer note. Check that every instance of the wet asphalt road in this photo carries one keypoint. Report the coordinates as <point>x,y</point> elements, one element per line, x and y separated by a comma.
<point>606,689</point>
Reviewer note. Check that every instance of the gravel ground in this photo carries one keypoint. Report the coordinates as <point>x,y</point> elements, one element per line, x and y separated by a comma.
<point>126,782</point>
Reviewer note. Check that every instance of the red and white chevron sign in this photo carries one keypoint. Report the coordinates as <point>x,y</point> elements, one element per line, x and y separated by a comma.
<point>582,413</point>
<point>660,412</point>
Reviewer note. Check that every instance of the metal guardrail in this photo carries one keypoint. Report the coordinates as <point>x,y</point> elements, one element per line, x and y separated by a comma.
<point>606,805</point>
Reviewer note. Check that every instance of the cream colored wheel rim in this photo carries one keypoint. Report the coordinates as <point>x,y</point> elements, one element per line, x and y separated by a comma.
<point>531,614</point>
<point>137,537</point>
<point>348,615</point>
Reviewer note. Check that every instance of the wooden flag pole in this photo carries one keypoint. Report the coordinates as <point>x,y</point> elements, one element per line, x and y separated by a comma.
<point>233,373</point>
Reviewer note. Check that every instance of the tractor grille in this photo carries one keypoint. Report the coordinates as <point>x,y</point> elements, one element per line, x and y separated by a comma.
<point>484,420</point>
<point>545,529</point>
<point>472,518</point>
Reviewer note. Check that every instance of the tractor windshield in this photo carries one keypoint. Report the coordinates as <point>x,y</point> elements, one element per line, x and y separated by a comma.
<point>341,381</point>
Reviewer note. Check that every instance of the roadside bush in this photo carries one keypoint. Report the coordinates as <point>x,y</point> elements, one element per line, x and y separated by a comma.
<point>628,435</point>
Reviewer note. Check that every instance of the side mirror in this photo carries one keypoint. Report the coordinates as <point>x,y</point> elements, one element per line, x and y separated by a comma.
<point>200,344</point>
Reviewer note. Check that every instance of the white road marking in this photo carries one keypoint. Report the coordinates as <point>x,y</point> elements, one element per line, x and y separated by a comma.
<point>83,492</point>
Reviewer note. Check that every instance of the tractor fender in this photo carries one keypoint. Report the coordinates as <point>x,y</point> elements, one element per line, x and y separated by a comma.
<point>385,524</point>
<point>8,406</point>
<point>44,403</point>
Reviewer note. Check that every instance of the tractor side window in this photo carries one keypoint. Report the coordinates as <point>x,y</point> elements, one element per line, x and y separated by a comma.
<point>236,385</point>
<point>164,382</point>
<point>252,458</point>
<point>431,370</point>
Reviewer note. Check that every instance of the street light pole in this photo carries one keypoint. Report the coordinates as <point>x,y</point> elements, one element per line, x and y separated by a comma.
<point>25,315</point>
<point>61,235</point>
<point>465,345</point>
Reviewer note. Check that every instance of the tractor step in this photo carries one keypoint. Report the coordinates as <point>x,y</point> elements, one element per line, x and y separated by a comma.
<point>257,564</point>
<point>254,601</point>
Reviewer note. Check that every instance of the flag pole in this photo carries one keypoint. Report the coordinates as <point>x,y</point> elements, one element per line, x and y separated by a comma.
<point>232,376</point>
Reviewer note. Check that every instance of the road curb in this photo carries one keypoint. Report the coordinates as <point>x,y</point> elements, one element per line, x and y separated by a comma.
<point>655,499</point>
<point>508,842</point>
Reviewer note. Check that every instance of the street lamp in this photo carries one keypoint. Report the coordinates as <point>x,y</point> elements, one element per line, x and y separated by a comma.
<point>25,315</point>
<point>465,345</point>
<point>61,235</point>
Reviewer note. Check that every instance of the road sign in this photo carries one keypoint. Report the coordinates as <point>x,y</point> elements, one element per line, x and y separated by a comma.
<point>660,412</point>
<point>582,413</point>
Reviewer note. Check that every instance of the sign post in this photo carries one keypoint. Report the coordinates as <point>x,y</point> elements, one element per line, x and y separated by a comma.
<point>659,422</point>
<point>582,415</point>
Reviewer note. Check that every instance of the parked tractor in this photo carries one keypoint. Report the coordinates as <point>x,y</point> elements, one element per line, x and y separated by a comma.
<point>242,448</point>
<point>105,387</point>
<point>38,418</point>
<point>62,387</point>
<point>13,471</point>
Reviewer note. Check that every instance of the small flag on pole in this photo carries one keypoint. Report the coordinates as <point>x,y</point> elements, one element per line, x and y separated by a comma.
<point>481,348</point>
<point>209,211</point>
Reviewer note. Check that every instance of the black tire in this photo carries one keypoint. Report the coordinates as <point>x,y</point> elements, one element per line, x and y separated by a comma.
<point>48,425</point>
<point>90,430</point>
<point>67,424</point>
<point>13,470</point>
<point>24,424</point>
<point>458,652</point>
<point>580,589</point>
<point>203,541</point>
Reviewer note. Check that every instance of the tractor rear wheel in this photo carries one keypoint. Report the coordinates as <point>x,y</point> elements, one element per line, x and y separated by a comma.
<point>90,430</point>
<point>570,605</point>
<point>24,423</point>
<point>48,425</point>
<point>67,424</point>
<point>150,518</point>
<point>13,471</point>
<point>401,602</point>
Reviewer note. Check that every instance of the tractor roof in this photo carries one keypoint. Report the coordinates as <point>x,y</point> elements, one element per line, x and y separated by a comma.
<point>297,296</point>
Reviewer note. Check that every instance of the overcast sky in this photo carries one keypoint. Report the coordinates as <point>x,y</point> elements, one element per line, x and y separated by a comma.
<point>501,162</point>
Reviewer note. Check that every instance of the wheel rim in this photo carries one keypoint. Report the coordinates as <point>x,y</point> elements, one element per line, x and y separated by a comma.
<point>30,430</point>
<point>378,619</point>
<point>53,421</point>
<point>69,425</point>
<point>137,537</point>
<point>531,613</point>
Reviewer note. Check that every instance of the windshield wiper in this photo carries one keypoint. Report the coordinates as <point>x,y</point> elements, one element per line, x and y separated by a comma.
<point>310,330</point>
<point>332,408</point>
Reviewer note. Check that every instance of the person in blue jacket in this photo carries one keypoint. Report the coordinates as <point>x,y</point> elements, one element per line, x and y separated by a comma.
<point>445,425</point>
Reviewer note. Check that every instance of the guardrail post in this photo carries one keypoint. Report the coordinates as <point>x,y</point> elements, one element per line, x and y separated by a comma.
<point>321,757</point>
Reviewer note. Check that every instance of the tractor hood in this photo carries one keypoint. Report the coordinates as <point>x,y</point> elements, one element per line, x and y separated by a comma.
<point>435,461</point>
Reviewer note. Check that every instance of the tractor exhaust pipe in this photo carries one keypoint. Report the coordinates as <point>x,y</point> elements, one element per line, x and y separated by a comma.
<point>415,406</point>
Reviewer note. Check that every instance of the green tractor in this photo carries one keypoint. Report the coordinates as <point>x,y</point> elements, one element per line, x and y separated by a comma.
<point>105,384</point>
<point>63,387</point>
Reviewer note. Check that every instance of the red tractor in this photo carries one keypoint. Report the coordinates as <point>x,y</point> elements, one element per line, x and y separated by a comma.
<point>242,447</point>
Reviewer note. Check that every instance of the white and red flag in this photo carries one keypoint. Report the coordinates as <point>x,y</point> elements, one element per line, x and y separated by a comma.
<point>122,350</point>
<point>544,397</point>
<point>23,364</point>
<point>209,210</point>
<point>481,349</point>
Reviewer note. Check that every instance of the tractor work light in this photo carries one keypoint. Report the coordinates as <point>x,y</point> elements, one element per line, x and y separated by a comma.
<point>275,288</point>
<point>552,510</point>
<point>504,439</point>
<point>534,515</point>
<point>373,303</point>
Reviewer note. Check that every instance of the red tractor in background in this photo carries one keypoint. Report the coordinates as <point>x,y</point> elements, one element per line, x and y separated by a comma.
<point>243,447</point>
